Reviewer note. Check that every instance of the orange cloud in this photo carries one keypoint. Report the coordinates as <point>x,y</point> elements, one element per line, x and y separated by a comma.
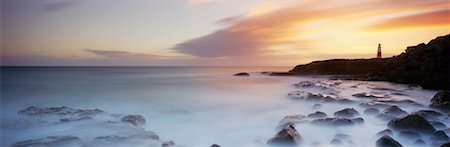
<point>329,23</point>
<point>431,19</point>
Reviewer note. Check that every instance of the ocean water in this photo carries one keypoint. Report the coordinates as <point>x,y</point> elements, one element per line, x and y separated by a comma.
<point>193,106</point>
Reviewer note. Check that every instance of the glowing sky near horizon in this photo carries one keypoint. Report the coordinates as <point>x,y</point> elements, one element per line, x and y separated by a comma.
<point>212,32</point>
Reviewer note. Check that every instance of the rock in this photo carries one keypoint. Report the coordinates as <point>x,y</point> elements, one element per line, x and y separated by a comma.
<point>358,120</point>
<point>305,84</point>
<point>333,121</point>
<point>374,105</point>
<point>446,144</point>
<point>420,142</point>
<point>317,114</point>
<point>75,119</point>
<point>345,101</point>
<point>168,144</point>
<point>412,122</point>
<point>371,111</point>
<point>317,106</point>
<point>51,141</point>
<point>336,141</point>
<point>441,100</point>
<point>438,125</point>
<point>290,119</point>
<point>346,113</point>
<point>387,141</point>
<point>439,136</point>
<point>136,120</point>
<point>215,145</point>
<point>286,136</point>
<point>385,132</point>
<point>243,74</point>
<point>430,114</point>
<point>409,135</point>
<point>366,95</point>
<point>32,110</point>
<point>393,111</point>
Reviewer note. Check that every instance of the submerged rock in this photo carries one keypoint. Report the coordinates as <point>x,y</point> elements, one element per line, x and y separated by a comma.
<point>317,114</point>
<point>393,111</point>
<point>317,106</point>
<point>346,113</point>
<point>412,122</point>
<point>215,145</point>
<point>430,114</point>
<point>371,111</point>
<point>244,74</point>
<point>71,119</point>
<point>419,142</point>
<point>336,141</point>
<point>333,121</point>
<point>287,136</point>
<point>409,135</point>
<point>290,119</point>
<point>32,110</point>
<point>439,136</point>
<point>387,141</point>
<point>441,100</point>
<point>51,141</point>
<point>438,125</point>
<point>366,95</point>
<point>385,132</point>
<point>167,144</point>
<point>136,120</point>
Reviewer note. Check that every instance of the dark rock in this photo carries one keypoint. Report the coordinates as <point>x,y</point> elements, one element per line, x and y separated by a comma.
<point>317,106</point>
<point>420,142</point>
<point>317,114</point>
<point>290,119</point>
<point>409,135</point>
<point>345,101</point>
<point>439,136</point>
<point>305,84</point>
<point>336,141</point>
<point>430,114</point>
<point>51,141</point>
<point>136,120</point>
<point>446,144</point>
<point>75,119</point>
<point>412,122</point>
<point>32,110</point>
<point>385,132</point>
<point>287,136</point>
<point>438,125</point>
<point>366,95</point>
<point>358,120</point>
<point>346,113</point>
<point>371,111</point>
<point>168,144</point>
<point>441,100</point>
<point>215,145</point>
<point>393,111</point>
<point>333,121</point>
<point>387,141</point>
<point>244,74</point>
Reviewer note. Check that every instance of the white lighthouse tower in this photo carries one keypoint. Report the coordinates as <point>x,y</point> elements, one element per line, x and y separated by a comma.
<point>379,51</point>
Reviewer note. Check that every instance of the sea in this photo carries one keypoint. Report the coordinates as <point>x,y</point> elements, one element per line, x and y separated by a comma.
<point>191,106</point>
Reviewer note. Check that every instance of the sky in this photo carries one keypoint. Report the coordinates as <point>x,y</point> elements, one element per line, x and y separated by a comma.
<point>212,32</point>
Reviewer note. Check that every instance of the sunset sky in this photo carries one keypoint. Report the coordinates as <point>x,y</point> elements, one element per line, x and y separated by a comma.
<point>212,32</point>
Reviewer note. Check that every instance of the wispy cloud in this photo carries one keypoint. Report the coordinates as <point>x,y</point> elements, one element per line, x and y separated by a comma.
<point>119,54</point>
<point>299,24</point>
<point>192,3</point>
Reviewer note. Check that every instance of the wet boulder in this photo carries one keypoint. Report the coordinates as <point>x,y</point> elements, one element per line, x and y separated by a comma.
<point>409,135</point>
<point>336,141</point>
<point>387,141</point>
<point>242,74</point>
<point>385,132</point>
<point>430,114</point>
<point>346,113</point>
<point>419,142</point>
<point>446,144</point>
<point>286,136</point>
<point>439,136</point>
<point>215,145</point>
<point>441,100</point>
<point>371,111</point>
<point>167,144</point>
<point>438,125</point>
<point>317,106</point>
<point>333,121</point>
<point>72,119</point>
<point>358,120</point>
<point>317,114</point>
<point>412,122</point>
<point>366,95</point>
<point>291,119</point>
<point>393,111</point>
<point>136,120</point>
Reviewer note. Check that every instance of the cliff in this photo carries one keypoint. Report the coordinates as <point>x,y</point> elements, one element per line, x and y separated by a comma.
<point>425,64</point>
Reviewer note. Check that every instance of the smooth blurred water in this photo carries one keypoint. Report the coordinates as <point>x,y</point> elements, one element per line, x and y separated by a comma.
<point>193,106</point>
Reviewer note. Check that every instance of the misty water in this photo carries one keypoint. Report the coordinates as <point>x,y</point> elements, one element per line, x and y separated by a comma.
<point>193,106</point>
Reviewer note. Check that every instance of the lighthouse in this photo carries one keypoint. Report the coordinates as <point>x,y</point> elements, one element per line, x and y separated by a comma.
<point>379,51</point>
